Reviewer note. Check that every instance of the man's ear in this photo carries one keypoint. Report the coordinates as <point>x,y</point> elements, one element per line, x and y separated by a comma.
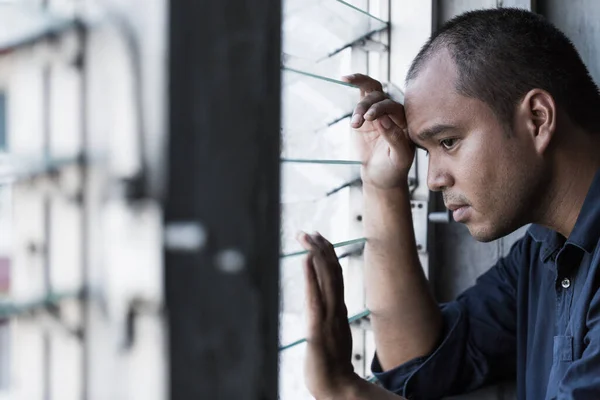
<point>537,114</point>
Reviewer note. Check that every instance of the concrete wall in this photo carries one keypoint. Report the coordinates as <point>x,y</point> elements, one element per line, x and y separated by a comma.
<point>580,21</point>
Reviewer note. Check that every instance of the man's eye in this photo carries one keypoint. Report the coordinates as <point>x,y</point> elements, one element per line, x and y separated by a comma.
<point>448,143</point>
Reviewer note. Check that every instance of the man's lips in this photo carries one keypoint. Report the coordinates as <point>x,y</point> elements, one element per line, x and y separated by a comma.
<point>454,207</point>
<point>459,211</point>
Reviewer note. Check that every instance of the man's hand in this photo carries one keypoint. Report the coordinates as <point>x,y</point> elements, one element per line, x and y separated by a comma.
<point>385,149</point>
<point>328,369</point>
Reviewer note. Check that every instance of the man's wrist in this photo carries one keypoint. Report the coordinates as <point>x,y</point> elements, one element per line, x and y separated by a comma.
<point>392,192</point>
<point>351,389</point>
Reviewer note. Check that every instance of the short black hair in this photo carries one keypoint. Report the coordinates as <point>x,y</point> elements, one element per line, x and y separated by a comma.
<point>503,53</point>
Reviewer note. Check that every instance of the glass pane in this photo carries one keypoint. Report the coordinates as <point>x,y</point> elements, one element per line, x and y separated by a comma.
<point>293,328</point>
<point>328,215</point>
<point>332,67</point>
<point>334,142</point>
<point>320,166</point>
<point>312,103</point>
<point>316,29</point>
<point>312,182</point>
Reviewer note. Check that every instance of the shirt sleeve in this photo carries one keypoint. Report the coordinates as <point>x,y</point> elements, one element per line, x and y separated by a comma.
<point>582,379</point>
<point>478,344</point>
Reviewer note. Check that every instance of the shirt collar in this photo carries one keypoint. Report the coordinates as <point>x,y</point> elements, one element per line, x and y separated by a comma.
<point>551,240</point>
<point>586,231</point>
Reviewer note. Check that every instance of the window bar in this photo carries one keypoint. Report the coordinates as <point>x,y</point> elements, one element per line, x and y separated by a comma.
<point>85,209</point>
<point>47,221</point>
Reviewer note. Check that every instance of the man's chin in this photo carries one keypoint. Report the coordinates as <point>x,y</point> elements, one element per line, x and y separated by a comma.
<point>482,233</point>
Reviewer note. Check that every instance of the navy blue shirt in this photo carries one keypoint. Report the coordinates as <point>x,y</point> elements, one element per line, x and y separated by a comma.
<point>534,316</point>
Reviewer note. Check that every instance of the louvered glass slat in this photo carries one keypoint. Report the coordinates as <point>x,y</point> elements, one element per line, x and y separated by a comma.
<point>317,29</point>
<point>313,104</point>
<point>312,182</point>
<point>329,216</point>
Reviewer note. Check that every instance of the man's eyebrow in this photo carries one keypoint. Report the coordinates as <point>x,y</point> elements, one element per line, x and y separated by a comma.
<point>433,131</point>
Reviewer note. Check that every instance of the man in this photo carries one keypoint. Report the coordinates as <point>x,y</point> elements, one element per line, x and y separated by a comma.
<point>508,113</point>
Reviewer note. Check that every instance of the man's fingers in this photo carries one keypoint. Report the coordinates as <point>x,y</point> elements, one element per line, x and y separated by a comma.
<point>314,301</point>
<point>330,275</point>
<point>327,272</point>
<point>304,239</point>
<point>325,276</point>
<point>387,107</point>
<point>365,83</point>
<point>392,134</point>
<point>358,117</point>
<point>325,246</point>
<point>331,256</point>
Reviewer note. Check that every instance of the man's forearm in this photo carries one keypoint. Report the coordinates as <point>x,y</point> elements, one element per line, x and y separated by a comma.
<point>405,317</point>
<point>360,389</point>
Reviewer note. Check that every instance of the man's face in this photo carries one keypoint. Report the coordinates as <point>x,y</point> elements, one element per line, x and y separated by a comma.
<point>488,177</point>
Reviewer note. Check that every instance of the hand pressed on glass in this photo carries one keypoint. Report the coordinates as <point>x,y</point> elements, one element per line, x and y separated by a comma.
<point>328,368</point>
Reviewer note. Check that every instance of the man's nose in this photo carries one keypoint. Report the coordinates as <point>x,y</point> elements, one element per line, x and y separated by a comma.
<point>438,179</point>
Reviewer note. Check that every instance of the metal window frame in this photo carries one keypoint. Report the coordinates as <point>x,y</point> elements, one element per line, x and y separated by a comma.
<point>222,202</point>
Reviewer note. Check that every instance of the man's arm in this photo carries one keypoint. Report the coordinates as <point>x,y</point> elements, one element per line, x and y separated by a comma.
<point>361,389</point>
<point>406,320</point>
<point>479,343</point>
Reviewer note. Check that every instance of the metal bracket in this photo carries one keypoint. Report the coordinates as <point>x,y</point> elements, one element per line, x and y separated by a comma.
<point>363,323</point>
<point>136,308</point>
<point>55,313</point>
<point>368,44</point>
<point>441,217</point>
<point>420,222</point>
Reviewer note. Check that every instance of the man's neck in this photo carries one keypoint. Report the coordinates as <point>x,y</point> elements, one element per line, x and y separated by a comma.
<point>572,177</point>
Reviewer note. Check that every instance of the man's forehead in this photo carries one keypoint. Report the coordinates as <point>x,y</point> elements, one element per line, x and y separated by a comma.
<point>435,80</point>
<point>431,97</point>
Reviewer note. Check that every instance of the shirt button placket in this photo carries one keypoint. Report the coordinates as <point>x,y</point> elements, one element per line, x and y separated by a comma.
<point>565,283</point>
